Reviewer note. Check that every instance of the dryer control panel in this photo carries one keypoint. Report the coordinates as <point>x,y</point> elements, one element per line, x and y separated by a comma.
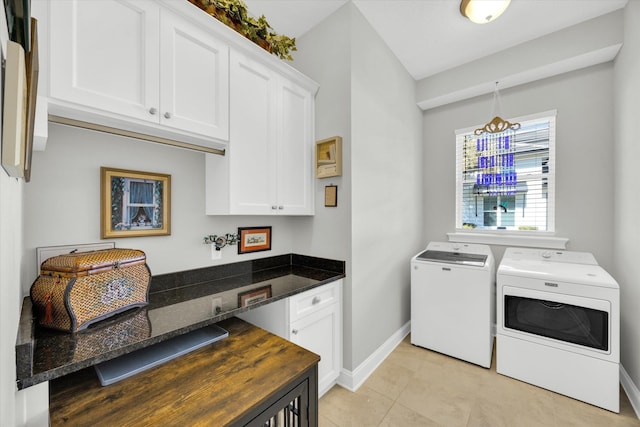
<point>550,255</point>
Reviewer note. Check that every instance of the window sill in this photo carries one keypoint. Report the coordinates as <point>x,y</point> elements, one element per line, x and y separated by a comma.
<point>550,242</point>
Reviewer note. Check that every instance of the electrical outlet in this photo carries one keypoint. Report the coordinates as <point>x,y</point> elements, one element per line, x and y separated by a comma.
<point>216,306</point>
<point>215,253</point>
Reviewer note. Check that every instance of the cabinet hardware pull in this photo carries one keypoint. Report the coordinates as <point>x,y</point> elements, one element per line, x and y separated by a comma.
<point>167,115</point>
<point>294,331</point>
<point>152,111</point>
<point>315,300</point>
<point>274,207</point>
<point>280,207</point>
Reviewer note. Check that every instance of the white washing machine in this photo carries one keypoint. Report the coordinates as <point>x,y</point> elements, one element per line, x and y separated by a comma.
<point>453,300</point>
<point>559,324</point>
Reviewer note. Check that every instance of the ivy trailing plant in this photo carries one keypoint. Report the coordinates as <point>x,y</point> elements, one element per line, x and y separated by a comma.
<point>235,14</point>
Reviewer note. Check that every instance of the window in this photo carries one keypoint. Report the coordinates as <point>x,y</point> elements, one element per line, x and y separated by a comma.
<point>141,203</point>
<point>506,181</point>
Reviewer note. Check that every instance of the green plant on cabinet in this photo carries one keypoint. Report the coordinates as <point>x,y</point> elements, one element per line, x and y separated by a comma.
<point>235,14</point>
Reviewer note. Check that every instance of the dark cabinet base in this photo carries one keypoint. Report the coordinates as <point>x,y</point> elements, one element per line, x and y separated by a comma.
<point>296,408</point>
<point>250,378</point>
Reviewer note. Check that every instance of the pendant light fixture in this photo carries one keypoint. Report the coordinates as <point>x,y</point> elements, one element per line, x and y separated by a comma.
<point>483,11</point>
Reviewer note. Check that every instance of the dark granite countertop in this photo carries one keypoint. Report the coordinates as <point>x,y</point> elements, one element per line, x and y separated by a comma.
<point>178,303</point>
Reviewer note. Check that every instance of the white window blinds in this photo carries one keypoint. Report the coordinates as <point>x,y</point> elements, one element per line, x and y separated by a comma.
<point>506,181</point>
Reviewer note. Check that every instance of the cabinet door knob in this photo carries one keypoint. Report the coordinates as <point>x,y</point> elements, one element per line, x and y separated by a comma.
<point>167,115</point>
<point>153,111</point>
<point>281,207</point>
<point>315,300</point>
<point>274,207</point>
<point>294,331</point>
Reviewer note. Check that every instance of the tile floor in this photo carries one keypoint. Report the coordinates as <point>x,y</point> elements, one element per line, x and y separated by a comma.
<point>418,387</point>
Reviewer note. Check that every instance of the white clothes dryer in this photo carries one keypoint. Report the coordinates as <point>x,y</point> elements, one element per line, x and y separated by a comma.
<point>453,300</point>
<point>559,324</point>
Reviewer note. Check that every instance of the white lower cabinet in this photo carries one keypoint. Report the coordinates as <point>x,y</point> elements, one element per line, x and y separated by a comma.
<point>311,319</point>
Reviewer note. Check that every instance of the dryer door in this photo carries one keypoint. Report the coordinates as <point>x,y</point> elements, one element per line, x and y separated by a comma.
<point>565,318</point>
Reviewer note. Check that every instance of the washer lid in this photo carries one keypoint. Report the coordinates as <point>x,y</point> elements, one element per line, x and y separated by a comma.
<point>476,260</point>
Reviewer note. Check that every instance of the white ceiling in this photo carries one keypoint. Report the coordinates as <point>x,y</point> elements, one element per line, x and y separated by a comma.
<point>430,36</point>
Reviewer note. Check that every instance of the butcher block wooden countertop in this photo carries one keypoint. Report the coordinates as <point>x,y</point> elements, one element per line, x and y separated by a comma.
<point>220,384</point>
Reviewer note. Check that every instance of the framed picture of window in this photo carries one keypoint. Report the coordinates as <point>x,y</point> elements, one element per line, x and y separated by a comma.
<point>134,203</point>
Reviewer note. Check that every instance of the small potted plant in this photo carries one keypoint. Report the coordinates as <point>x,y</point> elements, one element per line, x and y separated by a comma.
<point>234,14</point>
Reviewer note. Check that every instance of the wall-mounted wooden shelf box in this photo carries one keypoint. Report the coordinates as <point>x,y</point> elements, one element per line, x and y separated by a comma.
<point>329,157</point>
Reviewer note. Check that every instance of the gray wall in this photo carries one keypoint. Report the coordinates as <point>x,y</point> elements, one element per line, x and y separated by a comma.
<point>584,154</point>
<point>62,201</point>
<point>627,201</point>
<point>387,191</point>
<point>323,55</point>
<point>11,223</point>
<point>370,97</point>
<point>11,228</point>
<point>572,48</point>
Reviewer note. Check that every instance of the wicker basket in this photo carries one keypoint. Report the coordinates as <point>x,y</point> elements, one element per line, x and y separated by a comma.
<point>75,290</point>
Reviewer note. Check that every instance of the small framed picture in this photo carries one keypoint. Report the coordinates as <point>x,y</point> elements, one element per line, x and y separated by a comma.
<point>329,157</point>
<point>134,203</point>
<point>254,296</point>
<point>254,239</point>
<point>331,196</point>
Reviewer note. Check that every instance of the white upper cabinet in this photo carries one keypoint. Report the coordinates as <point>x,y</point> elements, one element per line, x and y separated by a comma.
<point>166,71</point>
<point>124,63</point>
<point>268,167</point>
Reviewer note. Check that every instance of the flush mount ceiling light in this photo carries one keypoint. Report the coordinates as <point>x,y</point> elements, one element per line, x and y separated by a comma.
<point>483,11</point>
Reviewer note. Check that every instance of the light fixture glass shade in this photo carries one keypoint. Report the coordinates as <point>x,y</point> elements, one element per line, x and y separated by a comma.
<point>483,11</point>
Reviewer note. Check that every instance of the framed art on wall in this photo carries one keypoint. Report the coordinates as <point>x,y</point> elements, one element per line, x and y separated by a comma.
<point>33,70</point>
<point>19,106</point>
<point>254,239</point>
<point>134,203</point>
<point>14,119</point>
<point>329,157</point>
<point>331,196</point>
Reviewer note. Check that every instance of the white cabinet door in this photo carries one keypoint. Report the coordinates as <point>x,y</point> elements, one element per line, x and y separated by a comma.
<point>194,75</point>
<point>316,324</point>
<point>317,332</point>
<point>252,154</point>
<point>295,148</point>
<point>105,54</point>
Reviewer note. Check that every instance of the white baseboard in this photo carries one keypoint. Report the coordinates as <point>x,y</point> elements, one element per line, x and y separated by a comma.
<point>352,380</point>
<point>631,390</point>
